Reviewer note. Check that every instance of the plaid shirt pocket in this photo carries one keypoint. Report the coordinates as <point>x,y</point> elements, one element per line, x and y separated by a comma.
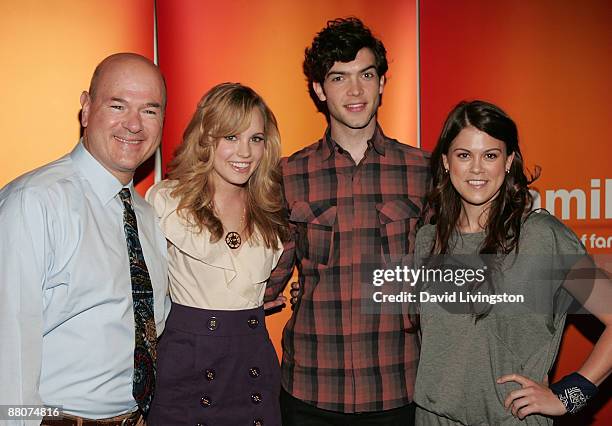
<point>397,218</point>
<point>315,227</point>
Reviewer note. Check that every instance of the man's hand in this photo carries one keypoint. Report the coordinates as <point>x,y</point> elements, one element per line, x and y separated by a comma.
<point>294,292</point>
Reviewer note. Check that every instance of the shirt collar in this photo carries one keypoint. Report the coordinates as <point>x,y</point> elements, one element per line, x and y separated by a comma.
<point>329,145</point>
<point>103,183</point>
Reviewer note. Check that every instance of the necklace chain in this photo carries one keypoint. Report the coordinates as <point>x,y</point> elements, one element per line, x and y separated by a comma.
<point>233,238</point>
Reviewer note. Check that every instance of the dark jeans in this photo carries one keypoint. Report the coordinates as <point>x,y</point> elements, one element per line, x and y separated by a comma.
<point>298,413</point>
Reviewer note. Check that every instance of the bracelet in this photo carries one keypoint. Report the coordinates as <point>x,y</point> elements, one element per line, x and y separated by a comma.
<point>574,391</point>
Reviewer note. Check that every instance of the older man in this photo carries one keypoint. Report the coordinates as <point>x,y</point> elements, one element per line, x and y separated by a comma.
<point>83,271</point>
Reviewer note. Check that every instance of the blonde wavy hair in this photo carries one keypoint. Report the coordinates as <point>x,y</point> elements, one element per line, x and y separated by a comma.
<point>226,110</point>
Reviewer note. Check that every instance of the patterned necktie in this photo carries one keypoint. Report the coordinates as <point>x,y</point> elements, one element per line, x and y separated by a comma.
<point>144,320</point>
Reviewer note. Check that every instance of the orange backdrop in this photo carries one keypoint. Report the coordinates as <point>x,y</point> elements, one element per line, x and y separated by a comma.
<point>548,64</point>
<point>261,44</point>
<point>48,52</point>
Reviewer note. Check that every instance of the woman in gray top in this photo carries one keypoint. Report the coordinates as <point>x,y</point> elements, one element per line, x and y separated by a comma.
<point>490,336</point>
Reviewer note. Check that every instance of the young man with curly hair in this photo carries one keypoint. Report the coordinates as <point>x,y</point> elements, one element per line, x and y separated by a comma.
<point>354,198</point>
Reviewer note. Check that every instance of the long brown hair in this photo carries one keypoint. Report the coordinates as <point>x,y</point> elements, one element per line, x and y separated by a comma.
<point>508,209</point>
<point>226,110</point>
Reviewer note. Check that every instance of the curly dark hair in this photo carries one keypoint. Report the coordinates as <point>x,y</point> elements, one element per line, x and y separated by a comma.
<point>340,41</point>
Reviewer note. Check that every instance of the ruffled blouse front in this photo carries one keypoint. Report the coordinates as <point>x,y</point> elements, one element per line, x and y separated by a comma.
<point>210,275</point>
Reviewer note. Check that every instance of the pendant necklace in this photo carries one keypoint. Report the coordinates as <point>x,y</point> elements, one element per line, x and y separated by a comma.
<point>232,238</point>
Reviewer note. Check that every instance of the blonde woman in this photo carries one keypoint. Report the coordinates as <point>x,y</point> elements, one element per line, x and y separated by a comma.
<point>221,212</point>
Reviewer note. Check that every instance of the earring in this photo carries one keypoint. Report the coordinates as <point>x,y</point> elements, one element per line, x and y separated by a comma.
<point>445,170</point>
<point>507,171</point>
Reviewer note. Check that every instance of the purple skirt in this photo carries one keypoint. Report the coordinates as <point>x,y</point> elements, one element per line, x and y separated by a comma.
<point>216,368</point>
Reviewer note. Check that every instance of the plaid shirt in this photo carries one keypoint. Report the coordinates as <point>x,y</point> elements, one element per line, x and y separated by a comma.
<point>344,215</point>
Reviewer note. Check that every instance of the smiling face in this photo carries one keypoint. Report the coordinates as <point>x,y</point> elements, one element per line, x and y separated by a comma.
<point>352,92</point>
<point>237,156</point>
<point>123,119</point>
<point>477,164</point>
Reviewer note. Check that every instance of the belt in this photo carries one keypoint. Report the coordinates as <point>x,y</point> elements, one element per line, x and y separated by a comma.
<point>129,419</point>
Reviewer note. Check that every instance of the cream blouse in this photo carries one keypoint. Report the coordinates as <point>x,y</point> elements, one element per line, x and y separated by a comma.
<point>210,275</point>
